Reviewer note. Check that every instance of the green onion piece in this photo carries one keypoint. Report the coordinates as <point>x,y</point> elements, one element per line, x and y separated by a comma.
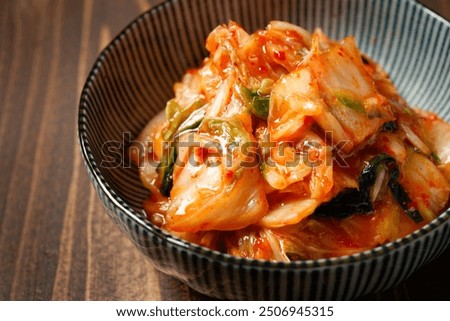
<point>266,87</point>
<point>230,130</point>
<point>261,106</point>
<point>351,103</point>
<point>435,158</point>
<point>348,202</point>
<point>165,170</point>
<point>403,199</point>
<point>357,201</point>
<point>257,104</point>
<point>177,114</point>
<point>193,121</point>
<point>390,127</point>
<point>408,110</point>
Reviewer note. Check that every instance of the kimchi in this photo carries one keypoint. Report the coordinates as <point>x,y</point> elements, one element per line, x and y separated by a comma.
<point>285,145</point>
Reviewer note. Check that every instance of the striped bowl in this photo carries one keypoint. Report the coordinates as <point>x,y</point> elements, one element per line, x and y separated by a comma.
<point>132,80</point>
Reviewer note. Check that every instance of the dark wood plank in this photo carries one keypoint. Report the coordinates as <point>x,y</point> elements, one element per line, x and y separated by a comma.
<point>441,7</point>
<point>20,125</point>
<point>99,275</point>
<point>51,135</point>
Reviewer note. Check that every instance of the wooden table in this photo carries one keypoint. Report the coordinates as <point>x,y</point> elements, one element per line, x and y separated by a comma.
<point>56,243</point>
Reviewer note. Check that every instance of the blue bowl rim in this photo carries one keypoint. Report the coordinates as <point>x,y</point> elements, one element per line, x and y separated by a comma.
<point>204,252</point>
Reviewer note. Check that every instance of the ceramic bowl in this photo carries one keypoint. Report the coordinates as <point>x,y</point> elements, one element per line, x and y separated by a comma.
<point>132,80</point>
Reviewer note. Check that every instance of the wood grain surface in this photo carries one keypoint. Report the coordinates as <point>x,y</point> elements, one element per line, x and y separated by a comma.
<point>56,243</point>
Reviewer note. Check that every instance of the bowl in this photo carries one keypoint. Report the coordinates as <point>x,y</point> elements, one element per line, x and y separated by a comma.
<point>132,80</point>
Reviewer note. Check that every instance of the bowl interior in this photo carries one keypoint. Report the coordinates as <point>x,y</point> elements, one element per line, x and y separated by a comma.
<point>133,77</point>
